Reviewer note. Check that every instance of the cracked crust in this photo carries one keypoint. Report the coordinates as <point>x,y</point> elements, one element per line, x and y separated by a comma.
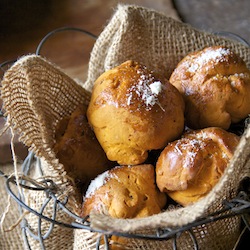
<point>125,192</point>
<point>132,111</point>
<point>215,84</point>
<point>188,168</point>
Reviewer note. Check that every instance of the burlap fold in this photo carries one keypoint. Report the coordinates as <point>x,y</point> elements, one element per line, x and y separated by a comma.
<point>37,95</point>
<point>151,38</point>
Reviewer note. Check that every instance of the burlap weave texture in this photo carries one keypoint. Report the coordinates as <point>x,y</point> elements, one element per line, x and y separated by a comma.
<point>37,95</point>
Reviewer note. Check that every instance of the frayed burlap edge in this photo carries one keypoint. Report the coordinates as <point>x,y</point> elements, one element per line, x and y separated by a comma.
<point>35,95</point>
<point>160,42</point>
<point>225,189</point>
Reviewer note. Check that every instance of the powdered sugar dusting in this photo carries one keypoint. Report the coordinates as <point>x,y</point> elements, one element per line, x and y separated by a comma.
<point>215,55</point>
<point>190,147</point>
<point>241,75</point>
<point>155,87</point>
<point>98,182</point>
<point>147,89</point>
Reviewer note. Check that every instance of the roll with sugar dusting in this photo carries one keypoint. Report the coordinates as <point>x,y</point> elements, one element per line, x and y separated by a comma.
<point>189,168</point>
<point>133,110</point>
<point>125,192</point>
<point>215,84</point>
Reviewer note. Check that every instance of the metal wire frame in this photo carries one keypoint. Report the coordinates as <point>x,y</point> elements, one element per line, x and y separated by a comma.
<point>239,206</point>
<point>232,36</point>
<point>46,38</point>
<point>93,36</point>
<point>63,29</point>
<point>47,185</point>
<point>8,63</point>
<point>50,189</point>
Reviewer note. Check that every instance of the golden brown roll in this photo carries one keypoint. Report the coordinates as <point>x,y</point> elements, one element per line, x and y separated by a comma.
<point>78,149</point>
<point>132,110</point>
<point>188,168</point>
<point>125,192</point>
<point>215,84</point>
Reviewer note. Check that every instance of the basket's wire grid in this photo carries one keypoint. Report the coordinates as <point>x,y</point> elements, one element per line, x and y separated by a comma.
<point>238,206</point>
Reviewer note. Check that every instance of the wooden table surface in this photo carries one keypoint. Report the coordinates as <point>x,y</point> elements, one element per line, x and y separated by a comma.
<point>24,28</point>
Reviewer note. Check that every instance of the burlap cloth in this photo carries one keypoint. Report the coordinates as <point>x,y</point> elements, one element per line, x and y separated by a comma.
<point>37,94</point>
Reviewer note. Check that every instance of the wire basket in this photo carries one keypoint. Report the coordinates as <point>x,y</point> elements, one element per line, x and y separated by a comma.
<point>16,185</point>
<point>239,206</point>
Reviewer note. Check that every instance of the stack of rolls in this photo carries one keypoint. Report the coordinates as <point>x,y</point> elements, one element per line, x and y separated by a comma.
<point>135,112</point>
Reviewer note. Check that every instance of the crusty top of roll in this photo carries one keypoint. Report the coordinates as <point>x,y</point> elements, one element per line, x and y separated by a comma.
<point>188,168</point>
<point>215,84</point>
<point>125,192</point>
<point>133,110</point>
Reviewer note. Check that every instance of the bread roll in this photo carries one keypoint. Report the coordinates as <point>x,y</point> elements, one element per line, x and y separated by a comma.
<point>188,168</point>
<point>125,192</point>
<point>132,111</point>
<point>78,149</point>
<point>215,84</point>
